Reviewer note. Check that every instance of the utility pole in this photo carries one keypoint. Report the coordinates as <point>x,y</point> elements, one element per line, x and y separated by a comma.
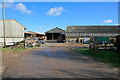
<point>4,24</point>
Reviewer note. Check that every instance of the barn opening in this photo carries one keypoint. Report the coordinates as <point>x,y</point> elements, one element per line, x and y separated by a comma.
<point>54,34</point>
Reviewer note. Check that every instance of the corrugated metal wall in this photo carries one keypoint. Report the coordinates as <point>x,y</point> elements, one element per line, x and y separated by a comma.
<point>13,29</point>
<point>69,34</point>
<point>14,32</point>
<point>1,28</point>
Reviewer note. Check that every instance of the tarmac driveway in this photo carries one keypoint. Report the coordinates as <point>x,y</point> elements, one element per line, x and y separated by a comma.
<point>59,63</point>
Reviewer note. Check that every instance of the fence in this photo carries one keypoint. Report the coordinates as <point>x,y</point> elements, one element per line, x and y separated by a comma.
<point>7,43</point>
<point>95,46</point>
<point>15,44</point>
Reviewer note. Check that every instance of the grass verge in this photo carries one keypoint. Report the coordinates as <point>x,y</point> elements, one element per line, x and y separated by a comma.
<point>18,49</point>
<point>106,56</point>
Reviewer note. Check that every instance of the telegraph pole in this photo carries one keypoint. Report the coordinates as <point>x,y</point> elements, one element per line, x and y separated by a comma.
<point>4,24</point>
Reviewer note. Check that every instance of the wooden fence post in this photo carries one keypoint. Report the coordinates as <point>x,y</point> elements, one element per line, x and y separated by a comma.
<point>90,46</point>
<point>14,43</point>
<point>24,44</point>
<point>97,47</point>
<point>2,44</point>
<point>105,46</point>
<point>94,46</point>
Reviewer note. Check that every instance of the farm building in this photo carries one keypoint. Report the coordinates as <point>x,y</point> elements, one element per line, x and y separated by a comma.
<point>14,31</point>
<point>54,34</point>
<point>85,34</point>
<point>34,35</point>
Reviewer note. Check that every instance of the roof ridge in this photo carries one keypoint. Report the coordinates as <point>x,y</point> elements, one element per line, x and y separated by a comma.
<point>95,26</point>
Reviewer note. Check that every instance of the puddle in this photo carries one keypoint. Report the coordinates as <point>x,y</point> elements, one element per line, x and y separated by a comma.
<point>51,53</point>
<point>48,50</point>
<point>43,53</point>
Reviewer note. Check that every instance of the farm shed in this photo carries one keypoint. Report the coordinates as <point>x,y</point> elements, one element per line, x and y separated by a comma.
<point>88,33</point>
<point>53,34</point>
<point>34,35</point>
<point>14,31</point>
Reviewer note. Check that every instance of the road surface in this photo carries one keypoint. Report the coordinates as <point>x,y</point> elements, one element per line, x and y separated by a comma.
<point>59,63</point>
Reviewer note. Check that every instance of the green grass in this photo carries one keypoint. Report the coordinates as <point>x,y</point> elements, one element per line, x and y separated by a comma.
<point>43,44</point>
<point>106,56</point>
<point>18,49</point>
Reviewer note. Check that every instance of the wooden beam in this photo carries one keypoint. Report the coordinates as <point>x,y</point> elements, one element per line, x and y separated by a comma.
<point>4,24</point>
<point>52,36</point>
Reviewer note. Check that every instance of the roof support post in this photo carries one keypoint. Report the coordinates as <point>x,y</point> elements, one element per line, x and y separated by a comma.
<point>52,36</point>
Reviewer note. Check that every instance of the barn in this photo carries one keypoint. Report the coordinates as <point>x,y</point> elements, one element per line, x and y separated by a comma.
<point>14,31</point>
<point>53,34</point>
<point>85,34</point>
<point>34,35</point>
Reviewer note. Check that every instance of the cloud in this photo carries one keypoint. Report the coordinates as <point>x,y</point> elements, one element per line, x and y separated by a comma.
<point>56,11</point>
<point>10,0</point>
<point>0,4</point>
<point>8,3</point>
<point>108,21</point>
<point>41,28</point>
<point>21,7</point>
<point>117,24</point>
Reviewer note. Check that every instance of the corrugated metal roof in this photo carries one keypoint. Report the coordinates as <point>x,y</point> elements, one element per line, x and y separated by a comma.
<point>56,30</point>
<point>31,32</point>
<point>94,29</point>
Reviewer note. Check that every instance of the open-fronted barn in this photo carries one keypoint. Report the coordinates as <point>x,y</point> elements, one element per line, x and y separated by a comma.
<point>14,31</point>
<point>34,35</point>
<point>89,33</point>
<point>53,34</point>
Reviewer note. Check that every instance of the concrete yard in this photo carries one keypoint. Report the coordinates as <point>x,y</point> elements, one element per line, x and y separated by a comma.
<point>56,63</point>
